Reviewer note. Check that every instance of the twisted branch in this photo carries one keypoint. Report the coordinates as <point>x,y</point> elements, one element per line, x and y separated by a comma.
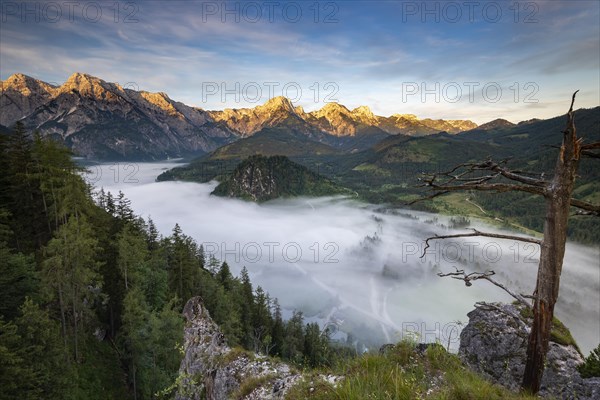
<point>473,276</point>
<point>479,233</point>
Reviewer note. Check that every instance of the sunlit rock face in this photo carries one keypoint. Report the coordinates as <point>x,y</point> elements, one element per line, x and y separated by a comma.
<point>494,343</point>
<point>21,95</point>
<point>247,121</point>
<point>103,120</point>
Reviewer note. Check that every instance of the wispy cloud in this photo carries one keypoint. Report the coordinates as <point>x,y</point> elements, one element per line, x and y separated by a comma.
<point>370,49</point>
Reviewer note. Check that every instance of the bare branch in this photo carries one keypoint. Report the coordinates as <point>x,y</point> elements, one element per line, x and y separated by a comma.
<point>473,276</point>
<point>590,146</point>
<point>588,208</point>
<point>512,175</point>
<point>585,150</point>
<point>479,233</point>
<point>590,154</point>
<point>433,195</point>
<point>493,187</point>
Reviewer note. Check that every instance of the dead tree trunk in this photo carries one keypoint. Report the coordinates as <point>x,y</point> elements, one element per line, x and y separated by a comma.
<point>558,195</point>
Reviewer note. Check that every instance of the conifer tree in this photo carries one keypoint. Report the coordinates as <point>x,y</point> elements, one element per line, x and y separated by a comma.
<point>70,276</point>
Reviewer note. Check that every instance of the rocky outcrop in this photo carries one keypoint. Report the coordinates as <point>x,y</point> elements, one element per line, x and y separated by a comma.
<point>211,370</point>
<point>494,344</point>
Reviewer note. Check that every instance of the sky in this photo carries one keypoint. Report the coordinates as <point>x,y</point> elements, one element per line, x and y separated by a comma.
<point>477,60</point>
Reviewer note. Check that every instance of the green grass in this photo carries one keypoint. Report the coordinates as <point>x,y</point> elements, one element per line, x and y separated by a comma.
<point>250,384</point>
<point>402,373</point>
<point>560,333</point>
<point>372,168</point>
<point>234,354</point>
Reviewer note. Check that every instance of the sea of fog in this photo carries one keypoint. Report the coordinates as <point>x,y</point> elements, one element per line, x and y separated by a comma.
<point>355,267</point>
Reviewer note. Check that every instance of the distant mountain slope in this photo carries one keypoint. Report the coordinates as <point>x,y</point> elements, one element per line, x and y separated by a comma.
<point>334,119</point>
<point>496,124</point>
<point>270,142</point>
<point>260,178</point>
<point>534,136</point>
<point>267,142</point>
<point>103,120</point>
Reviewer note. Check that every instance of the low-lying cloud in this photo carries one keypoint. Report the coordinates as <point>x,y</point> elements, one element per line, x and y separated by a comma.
<point>358,267</point>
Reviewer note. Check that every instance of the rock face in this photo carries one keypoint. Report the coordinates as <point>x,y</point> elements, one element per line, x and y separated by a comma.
<point>211,370</point>
<point>494,344</point>
<point>333,119</point>
<point>103,120</point>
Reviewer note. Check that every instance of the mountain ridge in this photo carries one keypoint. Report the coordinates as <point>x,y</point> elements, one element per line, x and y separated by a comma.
<point>103,120</point>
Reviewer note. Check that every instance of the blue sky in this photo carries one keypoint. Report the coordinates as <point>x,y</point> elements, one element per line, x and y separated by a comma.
<point>479,60</point>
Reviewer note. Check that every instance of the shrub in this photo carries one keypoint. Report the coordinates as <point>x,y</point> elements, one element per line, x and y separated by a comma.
<point>591,366</point>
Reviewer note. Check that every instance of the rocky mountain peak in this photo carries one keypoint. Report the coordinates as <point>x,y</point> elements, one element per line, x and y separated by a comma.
<point>365,115</point>
<point>333,107</point>
<point>79,78</point>
<point>279,103</point>
<point>26,85</point>
<point>86,84</point>
<point>85,101</point>
<point>17,80</point>
<point>363,110</point>
<point>20,95</point>
<point>411,117</point>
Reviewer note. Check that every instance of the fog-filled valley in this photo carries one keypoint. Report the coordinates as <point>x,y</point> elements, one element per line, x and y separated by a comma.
<point>355,267</point>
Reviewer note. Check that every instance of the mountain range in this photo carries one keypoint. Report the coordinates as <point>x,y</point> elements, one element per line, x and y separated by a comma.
<point>105,121</point>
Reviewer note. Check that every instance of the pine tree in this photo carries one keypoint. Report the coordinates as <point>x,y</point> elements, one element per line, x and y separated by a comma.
<point>17,280</point>
<point>315,345</point>
<point>153,235</point>
<point>246,305</point>
<point>224,277</point>
<point>23,193</point>
<point>133,253</point>
<point>136,339</point>
<point>124,210</point>
<point>184,266</point>
<point>278,329</point>
<point>294,333</point>
<point>70,275</point>
<point>262,321</point>
<point>33,358</point>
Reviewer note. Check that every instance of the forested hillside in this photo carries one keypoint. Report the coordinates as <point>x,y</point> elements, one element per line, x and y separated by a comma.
<point>91,294</point>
